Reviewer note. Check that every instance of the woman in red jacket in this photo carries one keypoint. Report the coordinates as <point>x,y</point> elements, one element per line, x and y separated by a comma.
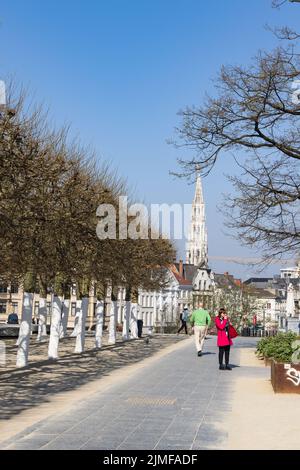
<point>224,342</point>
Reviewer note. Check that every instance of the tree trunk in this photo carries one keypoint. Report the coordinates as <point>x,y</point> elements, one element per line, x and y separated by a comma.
<point>55,328</point>
<point>42,327</point>
<point>99,323</point>
<point>25,330</point>
<point>133,321</point>
<point>65,317</point>
<point>83,306</point>
<point>112,322</point>
<point>126,321</point>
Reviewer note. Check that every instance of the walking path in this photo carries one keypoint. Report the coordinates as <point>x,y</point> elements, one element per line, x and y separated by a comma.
<point>172,400</point>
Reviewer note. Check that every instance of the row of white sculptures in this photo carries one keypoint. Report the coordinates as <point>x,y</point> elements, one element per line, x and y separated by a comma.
<point>59,321</point>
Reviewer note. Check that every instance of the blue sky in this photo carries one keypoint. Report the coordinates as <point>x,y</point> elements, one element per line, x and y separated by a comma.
<point>119,71</point>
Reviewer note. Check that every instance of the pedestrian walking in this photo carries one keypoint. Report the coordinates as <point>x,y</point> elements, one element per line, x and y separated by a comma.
<point>184,316</point>
<point>224,341</point>
<point>200,321</point>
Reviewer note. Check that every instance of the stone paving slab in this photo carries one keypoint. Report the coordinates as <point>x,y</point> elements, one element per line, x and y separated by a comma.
<point>179,401</point>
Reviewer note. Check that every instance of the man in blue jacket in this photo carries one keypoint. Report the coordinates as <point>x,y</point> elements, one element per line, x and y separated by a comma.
<point>184,316</point>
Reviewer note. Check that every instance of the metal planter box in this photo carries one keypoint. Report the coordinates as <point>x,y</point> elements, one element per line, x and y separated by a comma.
<point>285,377</point>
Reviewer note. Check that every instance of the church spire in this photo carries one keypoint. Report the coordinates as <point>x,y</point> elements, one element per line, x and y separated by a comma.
<point>196,252</point>
<point>198,198</point>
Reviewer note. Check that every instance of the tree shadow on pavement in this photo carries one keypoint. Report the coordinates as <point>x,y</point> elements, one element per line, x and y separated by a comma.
<point>35,384</point>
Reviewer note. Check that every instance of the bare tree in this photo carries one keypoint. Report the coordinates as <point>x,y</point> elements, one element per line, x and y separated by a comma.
<point>255,116</point>
<point>239,302</point>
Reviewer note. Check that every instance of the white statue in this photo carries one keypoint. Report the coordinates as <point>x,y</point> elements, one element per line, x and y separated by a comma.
<point>290,301</point>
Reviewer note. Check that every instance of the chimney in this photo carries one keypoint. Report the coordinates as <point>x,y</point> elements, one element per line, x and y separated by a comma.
<point>181,267</point>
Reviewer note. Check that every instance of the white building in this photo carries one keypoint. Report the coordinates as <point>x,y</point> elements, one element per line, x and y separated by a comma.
<point>279,297</point>
<point>291,273</point>
<point>160,309</point>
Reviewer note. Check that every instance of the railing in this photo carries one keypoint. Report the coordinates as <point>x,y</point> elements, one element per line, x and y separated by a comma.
<point>258,332</point>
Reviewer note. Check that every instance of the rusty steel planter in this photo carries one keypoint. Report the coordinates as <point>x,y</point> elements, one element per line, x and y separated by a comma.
<point>285,377</point>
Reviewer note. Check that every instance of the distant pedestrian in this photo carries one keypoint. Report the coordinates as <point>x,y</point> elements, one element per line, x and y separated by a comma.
<point>224,342</point>
<point>200,321</point>
<point>184,316</point>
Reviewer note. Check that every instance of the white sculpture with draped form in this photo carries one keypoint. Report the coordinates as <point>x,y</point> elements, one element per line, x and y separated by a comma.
<point>290,301</point>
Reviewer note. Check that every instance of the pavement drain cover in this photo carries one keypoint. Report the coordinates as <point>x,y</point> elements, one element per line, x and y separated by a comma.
<point>161,401</point>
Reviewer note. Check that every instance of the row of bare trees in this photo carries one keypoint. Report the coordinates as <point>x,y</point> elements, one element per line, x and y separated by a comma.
<point>50,189</point>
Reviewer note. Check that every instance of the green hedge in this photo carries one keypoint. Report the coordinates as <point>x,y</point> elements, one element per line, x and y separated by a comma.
<point>278,347</point>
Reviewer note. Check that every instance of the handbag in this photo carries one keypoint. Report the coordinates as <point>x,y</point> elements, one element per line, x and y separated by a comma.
<point>232,332</point>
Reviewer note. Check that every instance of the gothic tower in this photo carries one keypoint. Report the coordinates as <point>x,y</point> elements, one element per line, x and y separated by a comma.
<point>196,247</point>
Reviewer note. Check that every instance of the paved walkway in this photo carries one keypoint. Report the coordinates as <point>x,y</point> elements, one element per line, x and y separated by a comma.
<point>175,401</point>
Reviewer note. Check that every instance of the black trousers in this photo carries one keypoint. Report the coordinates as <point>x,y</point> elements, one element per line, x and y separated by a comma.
<point>183,326</point>
<point>222,350</point>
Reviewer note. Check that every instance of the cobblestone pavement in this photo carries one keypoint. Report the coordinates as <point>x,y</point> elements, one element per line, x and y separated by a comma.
<point>178,401</point>
<point>28,387</point>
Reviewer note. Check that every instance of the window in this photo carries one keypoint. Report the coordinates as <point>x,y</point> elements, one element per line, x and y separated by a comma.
<point>3,288</point>
<point>268,305</point>
<point>14,288</point>
<point>73,309</point>
<point>36,309</point>
<point>3,306</point>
